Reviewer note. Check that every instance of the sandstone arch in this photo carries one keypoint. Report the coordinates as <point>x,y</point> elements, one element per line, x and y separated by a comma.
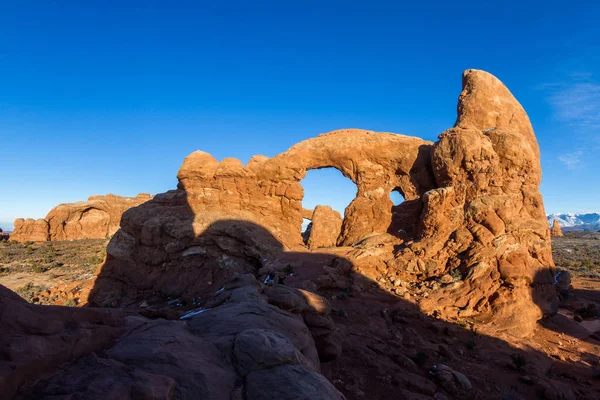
<point>472,209</point>
<point>376,162</point>
<point>270,188</point>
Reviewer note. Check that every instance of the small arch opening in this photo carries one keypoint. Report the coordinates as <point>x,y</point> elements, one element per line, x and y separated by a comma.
<point>325,187</point>
<point>405,214</point>
<point>306,226</point>
<point>396,197</point>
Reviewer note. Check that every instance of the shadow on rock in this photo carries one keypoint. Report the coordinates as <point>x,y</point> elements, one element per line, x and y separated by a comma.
<point>245,319</point>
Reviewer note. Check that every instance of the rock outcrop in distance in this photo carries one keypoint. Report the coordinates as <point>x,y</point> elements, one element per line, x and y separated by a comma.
<point>472,235</point>
<point>96,218</point>
<point>576,222</point>
<point>556,231</point>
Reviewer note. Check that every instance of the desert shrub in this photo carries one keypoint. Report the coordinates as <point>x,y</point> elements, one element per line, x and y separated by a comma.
<point>463,323</point>
<point>30,291</point>
<point>289,269</point>
<point>50,251</point>
<point>94,260</point>
<point>70,303</point>
<point>456,274</point>
<point>588,312</point>
<point>38,269</point>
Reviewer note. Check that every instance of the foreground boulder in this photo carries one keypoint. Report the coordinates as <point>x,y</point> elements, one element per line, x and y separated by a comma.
<point>240,348</point>
<point>37,339</point>
<point>96,218</point>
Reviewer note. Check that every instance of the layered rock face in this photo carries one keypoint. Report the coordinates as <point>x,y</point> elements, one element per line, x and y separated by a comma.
<point>472,210</point>
<point>96,218</point>
<point>485,219</point>
<point>556,230</point>
<point>268,191</point>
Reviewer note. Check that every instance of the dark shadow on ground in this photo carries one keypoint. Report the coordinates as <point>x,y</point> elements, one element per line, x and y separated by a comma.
<point>575,312</point>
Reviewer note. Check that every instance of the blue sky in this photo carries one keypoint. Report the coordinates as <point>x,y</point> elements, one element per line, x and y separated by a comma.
<point>109,97</point>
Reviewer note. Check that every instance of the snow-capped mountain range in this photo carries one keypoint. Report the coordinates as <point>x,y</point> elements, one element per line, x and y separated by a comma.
<point>576,221</point>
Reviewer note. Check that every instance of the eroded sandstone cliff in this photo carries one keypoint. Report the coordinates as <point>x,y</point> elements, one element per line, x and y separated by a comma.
<point>473,210</point>
<point>96,218</point>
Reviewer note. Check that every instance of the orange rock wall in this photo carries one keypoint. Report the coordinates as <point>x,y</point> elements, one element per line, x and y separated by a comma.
<point>473,209</point>
<point>97,218</point>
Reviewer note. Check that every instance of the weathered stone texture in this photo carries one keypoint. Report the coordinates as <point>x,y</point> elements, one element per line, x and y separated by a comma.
<point>96,218</point>
<point>473,209</point>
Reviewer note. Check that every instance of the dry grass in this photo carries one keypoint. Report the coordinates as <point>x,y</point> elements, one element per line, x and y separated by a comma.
<point>31,268</point>
<point>579,253</point>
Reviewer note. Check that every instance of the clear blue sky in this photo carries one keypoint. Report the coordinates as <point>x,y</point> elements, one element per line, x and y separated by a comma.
<point>110,96</point>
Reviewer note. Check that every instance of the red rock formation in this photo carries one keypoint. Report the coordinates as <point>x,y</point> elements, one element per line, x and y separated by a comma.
<point>472,209</point>
<point>96,218</point>
<point>556,231</point>
<point>326,226</point>
<point>472,231</point>
<point>163,233</point>
<point>268,191</point>
<point>29,230</point>
<point>487,220</point>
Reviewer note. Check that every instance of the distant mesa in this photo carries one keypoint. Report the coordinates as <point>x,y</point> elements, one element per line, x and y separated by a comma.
<point>97,218</point>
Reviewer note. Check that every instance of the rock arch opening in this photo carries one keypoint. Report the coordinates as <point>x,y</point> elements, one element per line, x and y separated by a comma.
<point>405,214</point>
<point>397,197</point>
<point>327,193</point>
